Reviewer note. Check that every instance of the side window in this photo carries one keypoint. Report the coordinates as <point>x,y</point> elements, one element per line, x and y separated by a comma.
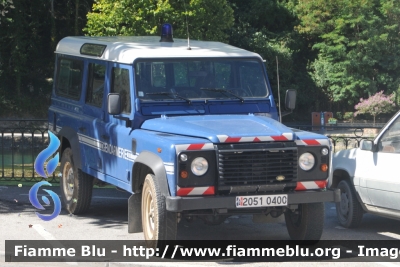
<point>121,84</point>
<point>95,87</point>
<point>390,140</point>
<point>69,78</point>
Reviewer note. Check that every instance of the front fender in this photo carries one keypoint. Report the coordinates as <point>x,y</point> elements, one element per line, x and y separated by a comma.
<point>156,164</point>
<point>343,162</point>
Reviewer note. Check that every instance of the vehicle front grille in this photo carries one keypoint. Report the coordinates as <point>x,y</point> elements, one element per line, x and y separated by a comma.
<point>256,167</point>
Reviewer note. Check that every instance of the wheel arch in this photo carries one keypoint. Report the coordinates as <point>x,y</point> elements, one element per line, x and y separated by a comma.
<point>69,138</point>
<point>339,175</point>
<point>148,162</point>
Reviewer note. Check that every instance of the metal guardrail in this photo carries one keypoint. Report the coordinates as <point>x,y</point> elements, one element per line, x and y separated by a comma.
<point>21,141</point>
<point>342,137</point>
<point>332,127</point>
<point>346,142</point>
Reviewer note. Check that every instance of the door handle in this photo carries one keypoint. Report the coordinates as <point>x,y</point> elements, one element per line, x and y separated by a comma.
<point>104,136</point>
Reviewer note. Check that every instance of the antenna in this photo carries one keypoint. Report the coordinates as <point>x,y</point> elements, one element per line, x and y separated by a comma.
<point>187,25</point>
<point>279,92</point>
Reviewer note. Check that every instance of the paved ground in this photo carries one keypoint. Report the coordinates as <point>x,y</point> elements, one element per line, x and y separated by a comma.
<point>107,220</point>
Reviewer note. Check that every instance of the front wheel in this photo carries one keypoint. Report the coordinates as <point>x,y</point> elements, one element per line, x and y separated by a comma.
<point>307,222</point>
<point>158,223</point>
<point>348,210</point>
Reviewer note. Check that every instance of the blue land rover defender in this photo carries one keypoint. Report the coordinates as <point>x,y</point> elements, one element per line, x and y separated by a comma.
<point>188,131</point>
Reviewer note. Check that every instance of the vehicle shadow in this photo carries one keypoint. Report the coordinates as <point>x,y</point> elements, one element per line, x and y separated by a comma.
<point>109,211</point>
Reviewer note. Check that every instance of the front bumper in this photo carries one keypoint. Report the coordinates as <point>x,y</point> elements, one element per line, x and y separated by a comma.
<point>178,204</point>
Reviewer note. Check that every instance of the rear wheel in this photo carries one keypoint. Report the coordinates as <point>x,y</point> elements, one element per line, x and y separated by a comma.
<point>348,210</point>
<point>76,186</point>
<point>307,222</point>
<point>158,223</point>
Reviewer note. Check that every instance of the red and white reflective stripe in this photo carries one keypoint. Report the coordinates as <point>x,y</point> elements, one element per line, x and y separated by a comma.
<point>311,185</point>
<point>195,191</point>
<point>203,146</point>
<point>230,139</point>
<point>313,142</point>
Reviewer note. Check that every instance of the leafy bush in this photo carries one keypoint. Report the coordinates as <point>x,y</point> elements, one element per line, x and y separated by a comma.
<point>339,115</point>
<point>348,116</point>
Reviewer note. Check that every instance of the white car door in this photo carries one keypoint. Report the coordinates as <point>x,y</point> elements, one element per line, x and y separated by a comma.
<point>379,171</point>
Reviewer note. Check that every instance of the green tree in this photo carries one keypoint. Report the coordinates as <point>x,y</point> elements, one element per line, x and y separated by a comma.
<point>267,27</point>
<point>4,6</point>
<point>357,43</point>
<point>24,45</point>
<point>207,19</point>
<point>29,33</point>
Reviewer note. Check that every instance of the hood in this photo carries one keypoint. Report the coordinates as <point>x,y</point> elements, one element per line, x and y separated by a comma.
<point>223,128</point>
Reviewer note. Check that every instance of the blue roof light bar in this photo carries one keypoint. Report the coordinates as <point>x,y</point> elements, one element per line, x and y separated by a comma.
<point>166,33</point>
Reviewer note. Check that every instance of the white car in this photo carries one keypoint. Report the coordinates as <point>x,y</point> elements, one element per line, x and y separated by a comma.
<point>369,177</point>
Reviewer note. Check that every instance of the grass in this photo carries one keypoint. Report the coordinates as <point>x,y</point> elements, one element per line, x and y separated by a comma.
<point>23,172</point>
<point>23,183</point>
<point>14,179</point>
<point>30,183</point>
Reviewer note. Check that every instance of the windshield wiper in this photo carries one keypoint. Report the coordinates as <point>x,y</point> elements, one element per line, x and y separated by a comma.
<point>172,95</point>
<point>223,91</point>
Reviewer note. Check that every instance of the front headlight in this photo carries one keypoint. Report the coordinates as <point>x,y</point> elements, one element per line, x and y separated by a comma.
<point>199,166</point>
<point>306,161</point>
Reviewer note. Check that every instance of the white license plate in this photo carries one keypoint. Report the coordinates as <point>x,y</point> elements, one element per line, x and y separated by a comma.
<point>261,201</point>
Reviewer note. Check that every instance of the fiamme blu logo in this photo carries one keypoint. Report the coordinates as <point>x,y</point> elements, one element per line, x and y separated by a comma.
<point>50,168</point>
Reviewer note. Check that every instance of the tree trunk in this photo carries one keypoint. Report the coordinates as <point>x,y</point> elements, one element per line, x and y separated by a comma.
<point>76,32</point>
<point>18,83</point>
<point>53,27</point>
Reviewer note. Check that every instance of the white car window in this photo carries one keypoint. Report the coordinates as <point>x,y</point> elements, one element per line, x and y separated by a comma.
<point>390,140</point>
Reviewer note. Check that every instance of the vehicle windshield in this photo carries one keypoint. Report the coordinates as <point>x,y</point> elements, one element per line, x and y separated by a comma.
<point>181,79</point>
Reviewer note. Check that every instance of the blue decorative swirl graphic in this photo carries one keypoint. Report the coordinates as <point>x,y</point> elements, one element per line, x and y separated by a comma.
<point>39,168</point>
<point>45,154</point>
<point>35,202</point>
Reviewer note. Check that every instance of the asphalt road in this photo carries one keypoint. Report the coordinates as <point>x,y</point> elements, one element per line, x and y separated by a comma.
<point>107,220</point>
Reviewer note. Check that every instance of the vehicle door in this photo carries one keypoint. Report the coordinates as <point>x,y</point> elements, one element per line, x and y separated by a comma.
<point>91,135</point>
<point>116,131</point>
<point>378,171</point>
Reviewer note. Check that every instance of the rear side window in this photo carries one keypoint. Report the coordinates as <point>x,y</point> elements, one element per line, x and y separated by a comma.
<point>69,78</point>
<point>95,87</point>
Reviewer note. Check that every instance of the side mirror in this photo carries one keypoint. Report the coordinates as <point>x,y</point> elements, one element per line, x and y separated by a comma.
<point>366,145</point>
<point>114,103</point>
<point>290,99</point>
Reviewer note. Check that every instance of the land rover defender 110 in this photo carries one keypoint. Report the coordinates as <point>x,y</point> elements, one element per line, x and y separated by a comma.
<point>190,132</point>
